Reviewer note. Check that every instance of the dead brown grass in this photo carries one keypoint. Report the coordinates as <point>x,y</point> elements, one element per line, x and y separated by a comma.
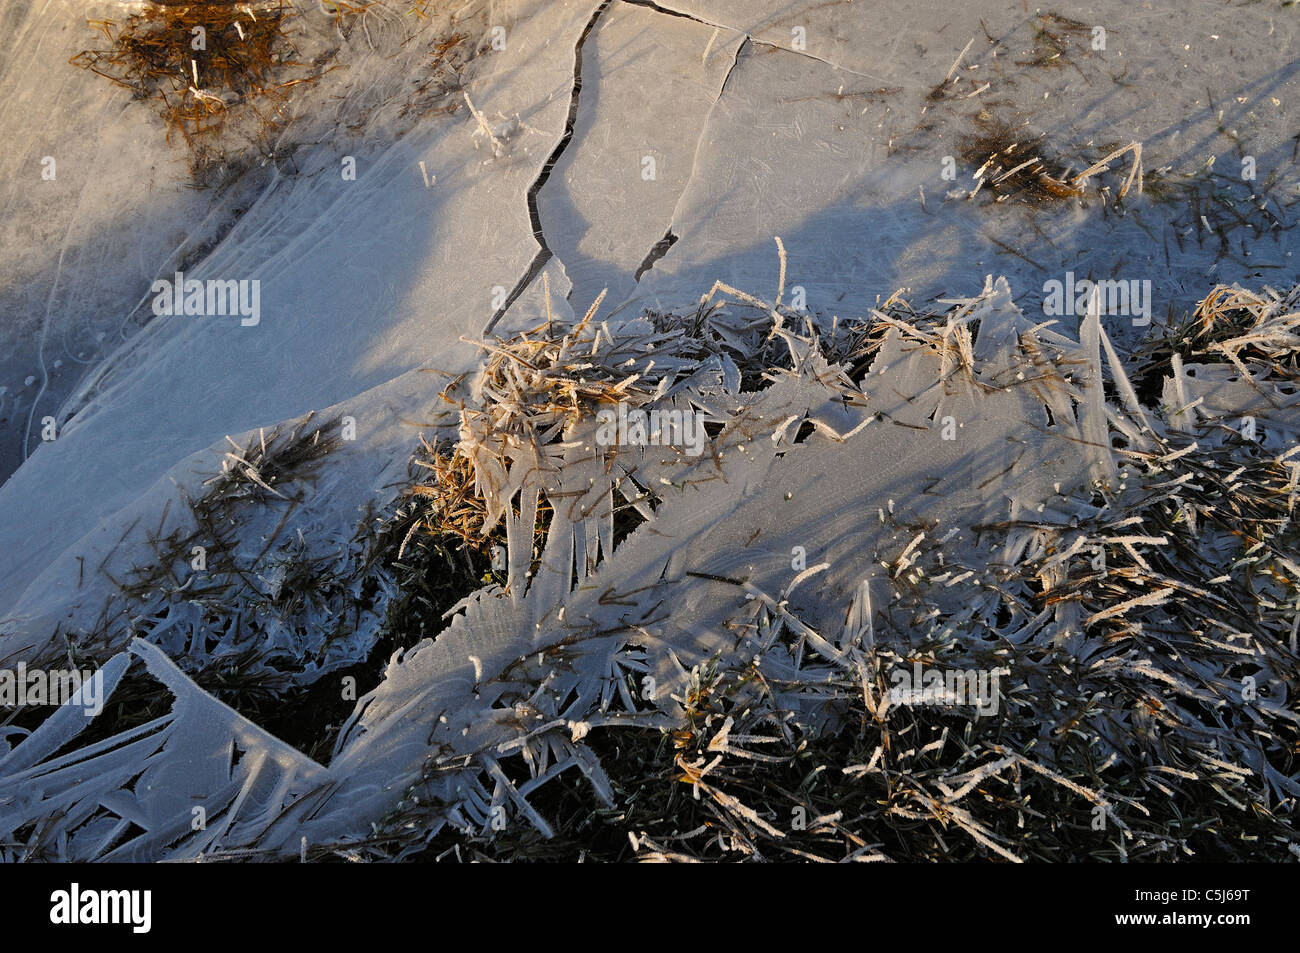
<point>1015,164</point>
<point>206,62</point>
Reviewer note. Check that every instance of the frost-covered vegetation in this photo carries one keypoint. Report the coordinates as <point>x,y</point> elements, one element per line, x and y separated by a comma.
<point>931,575</point>
<point>612,693</point>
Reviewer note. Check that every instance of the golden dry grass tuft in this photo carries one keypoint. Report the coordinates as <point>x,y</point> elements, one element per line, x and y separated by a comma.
<point>206,64</point>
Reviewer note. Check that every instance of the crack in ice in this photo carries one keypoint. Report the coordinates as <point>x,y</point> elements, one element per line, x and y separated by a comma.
<point>669,11</point>
<point>544,253</point>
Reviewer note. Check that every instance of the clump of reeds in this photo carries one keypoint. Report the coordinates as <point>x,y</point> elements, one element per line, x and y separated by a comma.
<point>261,473</point>
<point>206,64</point>
<point>1054,37</point>
<point>222,611</point>
<point>1259,327</point>
<point>1231,325</point>
<point>241,50</point>
<point>1013,164</point>
<point>555,375</point>
<point>447,507</point>
<point>255,471</point>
